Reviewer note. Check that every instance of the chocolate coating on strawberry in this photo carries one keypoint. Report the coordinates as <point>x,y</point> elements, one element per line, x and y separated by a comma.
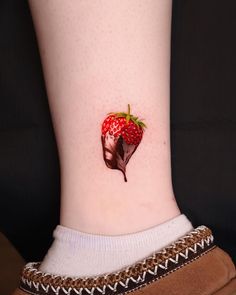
<point>121,135</point>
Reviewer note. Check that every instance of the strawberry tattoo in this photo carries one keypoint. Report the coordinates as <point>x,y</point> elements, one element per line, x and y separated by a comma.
<point>121,135</point>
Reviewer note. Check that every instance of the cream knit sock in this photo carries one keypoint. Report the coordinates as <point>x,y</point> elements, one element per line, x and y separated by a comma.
<point>75,253</point>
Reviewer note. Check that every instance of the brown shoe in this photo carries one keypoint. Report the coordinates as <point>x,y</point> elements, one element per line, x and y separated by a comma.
<point>192,265</point>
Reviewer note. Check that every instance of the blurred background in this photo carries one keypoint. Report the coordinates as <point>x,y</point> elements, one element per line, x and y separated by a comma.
<point>203,131</point>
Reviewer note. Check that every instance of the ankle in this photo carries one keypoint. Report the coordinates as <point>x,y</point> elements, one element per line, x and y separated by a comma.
<point>118,217</point>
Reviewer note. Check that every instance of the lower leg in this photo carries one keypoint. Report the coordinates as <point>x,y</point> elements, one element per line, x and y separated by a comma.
<point>98,57</point>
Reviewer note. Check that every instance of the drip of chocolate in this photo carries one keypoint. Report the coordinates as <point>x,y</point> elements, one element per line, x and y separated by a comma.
<point>116,152</point>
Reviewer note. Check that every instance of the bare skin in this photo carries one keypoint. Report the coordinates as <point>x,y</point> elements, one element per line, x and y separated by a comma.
<point>98,57</point>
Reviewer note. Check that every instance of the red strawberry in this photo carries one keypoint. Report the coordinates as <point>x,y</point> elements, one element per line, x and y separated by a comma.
<point>121,135</point>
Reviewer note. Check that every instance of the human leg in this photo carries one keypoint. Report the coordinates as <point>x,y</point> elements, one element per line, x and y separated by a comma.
<point>97,58</point>
<point>100,59</point>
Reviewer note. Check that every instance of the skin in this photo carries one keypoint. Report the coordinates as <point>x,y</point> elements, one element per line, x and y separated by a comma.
<point>98,56</point>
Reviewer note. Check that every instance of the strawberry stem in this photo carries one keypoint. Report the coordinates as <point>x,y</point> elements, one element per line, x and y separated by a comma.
<point>128,115</point>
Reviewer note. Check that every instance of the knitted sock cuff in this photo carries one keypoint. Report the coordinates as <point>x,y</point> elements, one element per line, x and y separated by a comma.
<point>169,230</point>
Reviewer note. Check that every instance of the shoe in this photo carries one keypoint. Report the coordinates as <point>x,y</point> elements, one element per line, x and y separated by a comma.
<point>192,265</point>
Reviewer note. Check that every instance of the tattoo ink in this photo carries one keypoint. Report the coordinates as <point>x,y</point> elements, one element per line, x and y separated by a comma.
<point>121,135</point>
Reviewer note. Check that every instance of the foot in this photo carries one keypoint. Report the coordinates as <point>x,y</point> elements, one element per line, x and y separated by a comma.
<point>193,264</point>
